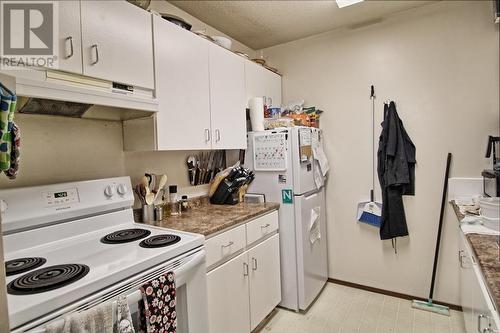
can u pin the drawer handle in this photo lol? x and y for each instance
(254, 264)
(245, 269)
(479, 319)
(71, 49)
(228, 244)
(265, 226)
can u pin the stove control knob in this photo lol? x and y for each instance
(109, 191)
(122, 189)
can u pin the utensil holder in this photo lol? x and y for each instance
(148, 213)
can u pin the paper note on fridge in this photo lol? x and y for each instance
(314, 225)
(320, 156)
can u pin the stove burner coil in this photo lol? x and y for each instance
(22, 265)
(160, 241)
(48, 278)
(125, 236)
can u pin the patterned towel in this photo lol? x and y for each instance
(8, 102)
(157, 311)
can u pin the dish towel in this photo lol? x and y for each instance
(157, 311)
(8, 102)
(124, 323)
(96, 320)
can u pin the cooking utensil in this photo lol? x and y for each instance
(177, 21)
(222, 41)
(161, 185)
(191, 164)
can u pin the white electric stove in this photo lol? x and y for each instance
(71, 246)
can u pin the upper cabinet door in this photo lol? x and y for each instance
(255, 85)
(182, 86)
(261, 82)
(117, 42)
(273, 87)
(70, 42)
(227, 99)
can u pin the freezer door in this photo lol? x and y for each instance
(312, 266)
(302, 160)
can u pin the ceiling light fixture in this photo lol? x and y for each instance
(345, 3)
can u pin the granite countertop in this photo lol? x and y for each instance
(487, 251)
(459, 214)
(207, 219)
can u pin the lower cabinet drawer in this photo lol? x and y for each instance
(225, 244)
(262, 226)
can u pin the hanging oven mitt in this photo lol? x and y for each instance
(157, 311)
(7, 107)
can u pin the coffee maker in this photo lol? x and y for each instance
(491, 177)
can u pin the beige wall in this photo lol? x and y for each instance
(440, 64)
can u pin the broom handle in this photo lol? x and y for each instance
(441, 215)
(372, 97)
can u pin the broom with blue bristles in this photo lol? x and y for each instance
(370, 212)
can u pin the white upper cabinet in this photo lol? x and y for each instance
(182, 87)
(117, 42)
(227, 99)
(261, 82)
(70, 42)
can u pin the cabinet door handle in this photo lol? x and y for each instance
(95, 47)
(71, 49)
(217, 135)
(267, 225)
(254, 264)
(228, 244)
(245, 269)
(207, 135)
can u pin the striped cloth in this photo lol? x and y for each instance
(8, 102)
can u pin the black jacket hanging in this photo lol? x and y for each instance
(396, 173)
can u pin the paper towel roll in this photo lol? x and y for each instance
(256, 105)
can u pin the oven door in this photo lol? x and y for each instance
(191, 295)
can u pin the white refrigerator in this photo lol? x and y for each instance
(287, 170)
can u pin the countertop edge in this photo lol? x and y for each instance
(241, 222)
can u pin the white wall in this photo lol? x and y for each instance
(440, 64)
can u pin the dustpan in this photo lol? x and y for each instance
(370, 212)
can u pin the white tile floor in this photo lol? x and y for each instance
(343, 309)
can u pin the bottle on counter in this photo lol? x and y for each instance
(173, 203)
(184, 203)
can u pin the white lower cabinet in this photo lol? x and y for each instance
(245, 289)
(478, 308)
(228, 297)
(265, 282)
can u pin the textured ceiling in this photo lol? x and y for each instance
(260, 24)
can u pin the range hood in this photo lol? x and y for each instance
(63, 94)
